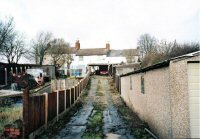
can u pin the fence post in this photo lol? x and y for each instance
(79, 89)
(70, 91)
(57, 104)
(65, 94)
(74, 93)
(46, 110)
(6, 77)
(26, 113)
(82, 83)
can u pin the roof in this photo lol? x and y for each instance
(134, 65)
(101, 51)
(132, 51)
(124, 52)
(115, 53)
(71, 50)
(163, 63)
(93, 51)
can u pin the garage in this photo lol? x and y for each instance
(194, 98)
(100, 69)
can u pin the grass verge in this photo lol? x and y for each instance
(8, 115)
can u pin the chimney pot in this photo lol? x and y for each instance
(108, 46)
(77, 45)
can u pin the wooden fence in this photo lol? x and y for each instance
(61, 84)
(117, 83)
(42, 110)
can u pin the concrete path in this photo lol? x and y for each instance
(99, 98)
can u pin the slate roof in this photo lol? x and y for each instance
(116, 53)
(71, 50)
(133, 51)
(92, 51)
(101, 51)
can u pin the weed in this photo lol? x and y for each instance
(8, 115)
(99, 93)
(94, 127)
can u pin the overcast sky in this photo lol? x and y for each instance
(94, 22)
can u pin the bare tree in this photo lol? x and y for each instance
(6, 31)
(57, 51)
(146, 44)
(20, 49)
(166, 50)
(12, 44)
(40, 46)
(14, 49)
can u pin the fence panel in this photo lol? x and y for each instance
(72, 95)
(67, 98)
(52, 105)
(61, 101)
(36, 112)
(55, 102)
(76, 92)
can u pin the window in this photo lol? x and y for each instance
(130, 83)
(80, 58)
(142, 84)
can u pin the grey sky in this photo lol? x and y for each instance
(95, 22)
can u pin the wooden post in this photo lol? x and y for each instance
(82, 84)
(26, 113)
(79, 88)
(57, 104)
(6, 76)
(70, 96)
(74, 94)
(65, 94)
(46, 110)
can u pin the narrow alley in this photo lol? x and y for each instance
(99, 116)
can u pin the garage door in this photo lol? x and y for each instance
(194, 98)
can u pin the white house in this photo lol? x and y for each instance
(96, 57)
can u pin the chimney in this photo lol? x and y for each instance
(77, 45)
(108, 46)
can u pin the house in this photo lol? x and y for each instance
(97, 58)
(166, 96)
